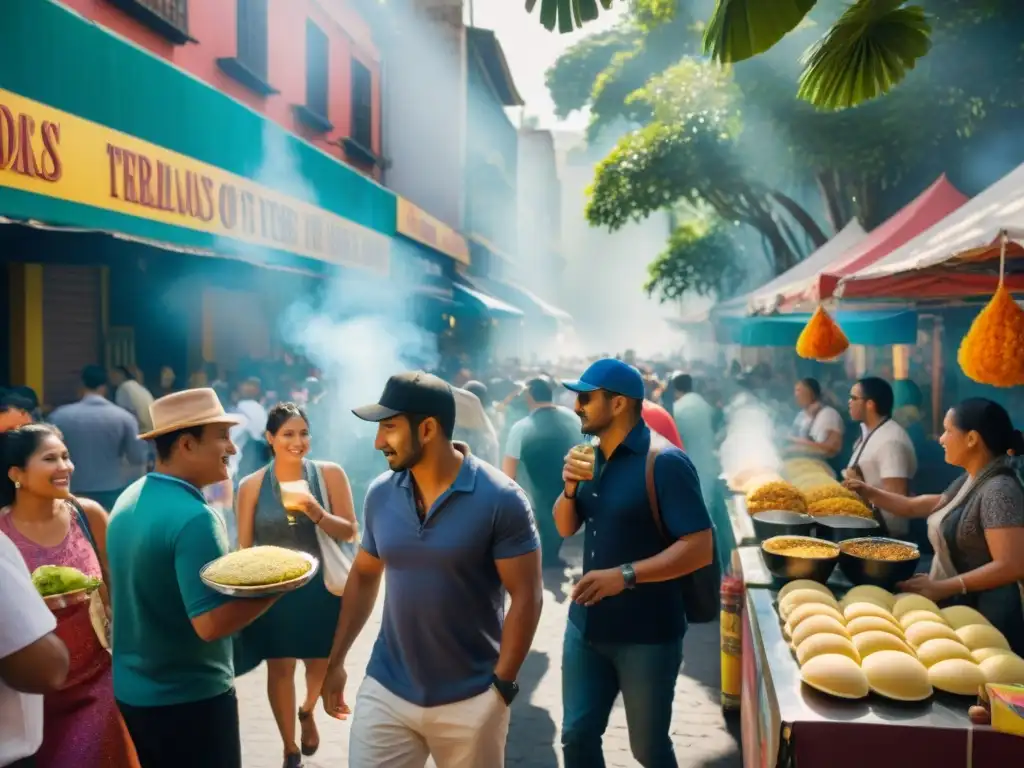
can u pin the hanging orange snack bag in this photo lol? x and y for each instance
(821, 338)
(992, 352)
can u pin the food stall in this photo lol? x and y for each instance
(786, 723)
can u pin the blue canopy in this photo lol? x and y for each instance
(484, 302)
(868, 327)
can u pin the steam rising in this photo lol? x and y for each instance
(750, 439)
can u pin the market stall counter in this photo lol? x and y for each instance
(786, 724)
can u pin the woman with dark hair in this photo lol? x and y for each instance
(81, 723)
(818, 428)
(301, 624)
(977, 526)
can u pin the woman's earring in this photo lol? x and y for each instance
(17, 485)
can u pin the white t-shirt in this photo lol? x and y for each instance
(817, 427)
(888, 454)
(24, 618)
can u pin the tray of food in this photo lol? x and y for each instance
(901, 647)
(62, 586)
(260, 571)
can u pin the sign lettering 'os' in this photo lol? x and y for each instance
(66, 157)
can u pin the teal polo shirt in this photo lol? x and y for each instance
(161, 534)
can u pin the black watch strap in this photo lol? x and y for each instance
(506, 689)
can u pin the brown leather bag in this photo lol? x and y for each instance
(701, 596)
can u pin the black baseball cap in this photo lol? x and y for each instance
(416, 393)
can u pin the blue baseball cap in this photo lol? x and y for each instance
(611, 375)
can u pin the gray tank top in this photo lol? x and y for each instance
(270, 524)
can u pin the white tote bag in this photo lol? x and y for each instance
(336, 557)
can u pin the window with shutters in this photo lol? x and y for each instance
(252, 36)
(362, 105)
(168, 18)
(316, 69)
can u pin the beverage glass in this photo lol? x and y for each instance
(586, 452)
(293, 495)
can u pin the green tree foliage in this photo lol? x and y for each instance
(700, 256)
(867, 49)
(736, 140)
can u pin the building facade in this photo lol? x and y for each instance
(542, 263)
(492, 151)
(164, 200)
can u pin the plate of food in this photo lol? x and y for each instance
(62, 586)
(260, 571)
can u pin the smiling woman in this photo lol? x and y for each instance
(51, 528)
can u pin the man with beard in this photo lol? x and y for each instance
(627, 619)
(450, 534)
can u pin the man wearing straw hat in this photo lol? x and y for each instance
(173, 671)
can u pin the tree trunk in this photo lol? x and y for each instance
(802, 217)
(831, 195)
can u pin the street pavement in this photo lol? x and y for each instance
(702, 735)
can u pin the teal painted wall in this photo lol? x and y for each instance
(52, 55)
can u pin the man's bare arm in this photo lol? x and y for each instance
(361, 590)
(521, 577)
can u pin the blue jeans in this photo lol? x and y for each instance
(593, 674)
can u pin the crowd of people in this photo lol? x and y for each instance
(486, 476)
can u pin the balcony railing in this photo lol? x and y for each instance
(168, 18)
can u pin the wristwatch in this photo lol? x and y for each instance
(507, 690)
(629, 575)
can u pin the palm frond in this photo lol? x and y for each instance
(741, 29)
(865, 54)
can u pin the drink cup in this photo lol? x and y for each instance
(585, 453)
(293, 496)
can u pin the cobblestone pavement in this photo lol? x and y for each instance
(700, 732)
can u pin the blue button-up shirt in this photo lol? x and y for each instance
(444, 604)
(619, 528)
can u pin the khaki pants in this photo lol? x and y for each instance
(389, 731)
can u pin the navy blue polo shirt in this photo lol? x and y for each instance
(619, 528)
(444, 604)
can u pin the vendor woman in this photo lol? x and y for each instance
(818, 428)
(977, 525)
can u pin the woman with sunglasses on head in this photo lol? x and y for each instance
(977, 526)
(81, 723)
(301, 624)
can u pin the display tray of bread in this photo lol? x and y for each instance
(260, 571)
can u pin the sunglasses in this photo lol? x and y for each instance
(584, 397)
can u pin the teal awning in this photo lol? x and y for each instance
(869, 327)
(484, 303)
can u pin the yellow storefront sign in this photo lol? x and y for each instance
(418, 225)
(53, 153)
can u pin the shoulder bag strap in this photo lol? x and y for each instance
(653, 452)
(83, 523)
(325, 496)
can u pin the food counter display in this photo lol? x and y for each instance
(786, 723)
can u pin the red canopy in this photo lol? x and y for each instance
(932, 205)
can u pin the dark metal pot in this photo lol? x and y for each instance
(880, 573)
(789, 568)
(842, 527)
(779, 522)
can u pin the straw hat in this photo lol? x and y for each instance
(189, 408)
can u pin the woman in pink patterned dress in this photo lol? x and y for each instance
(82, 727)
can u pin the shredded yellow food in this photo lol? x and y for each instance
(828, 491)
(801, 548)
(258, 566)
(776, 495)
(839, 506)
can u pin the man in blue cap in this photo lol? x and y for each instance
(627, 620)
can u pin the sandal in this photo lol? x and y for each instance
(310, 739)
(293, 760)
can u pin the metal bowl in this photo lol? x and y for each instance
(264, 590)
(880, 573)
(788, 567)
(839, 528)
(779, 522)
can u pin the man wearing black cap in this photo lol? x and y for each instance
(627, 620)
(450, 534)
